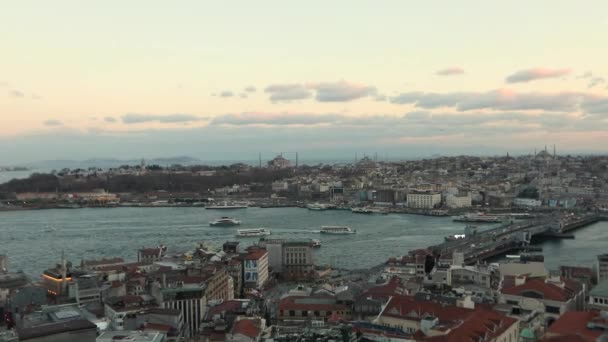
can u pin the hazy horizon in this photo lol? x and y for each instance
(212, 80)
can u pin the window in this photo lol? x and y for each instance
(292, 313)
(512, 302)
(552, 309)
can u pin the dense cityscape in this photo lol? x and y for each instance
(489, 283)
(303, 171)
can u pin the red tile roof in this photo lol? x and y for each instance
(575, 323)
(304, 303)
(255, 254)
(407, 307)
(547, 290)
(247, 327)
(227, 306)
(484, 325)
(384, 291)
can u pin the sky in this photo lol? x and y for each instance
(225, 80)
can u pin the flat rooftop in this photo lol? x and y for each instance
(130, 336)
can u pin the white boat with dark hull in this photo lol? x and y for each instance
(316, 243)
(317, 206)
(225, 222)
(337, 230)
(252, 232)
(227, 205)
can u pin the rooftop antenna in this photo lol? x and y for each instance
(554, 154)
(260, 160)
(296, 160)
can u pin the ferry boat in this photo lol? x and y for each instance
(338, 230)
(481, 218)
(226, 205)
(316, 243)
(362, 210)
(224, 222)
(368, 210)
(252, 232)
(317, 206)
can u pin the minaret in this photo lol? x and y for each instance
(554, 154)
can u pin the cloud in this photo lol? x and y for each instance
(17, 94)
(528, 75)
(596, 106)
(380, 98)
(320, 135)
(504, 99)
(431, 100)
(36, 97)
(595, 81)
(341, 91)
(109, 119)
(450, 71)
(587, 74)
(226, 93)
(250, 89)
(135, 118)
(279, 119)
(287, 92)
(501, 99)
(324, 91)
(53, 122)
(243, 95)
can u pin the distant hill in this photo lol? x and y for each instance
(106, 163)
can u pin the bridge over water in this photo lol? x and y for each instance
(515, 236)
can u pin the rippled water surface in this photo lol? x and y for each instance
(99, 232)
